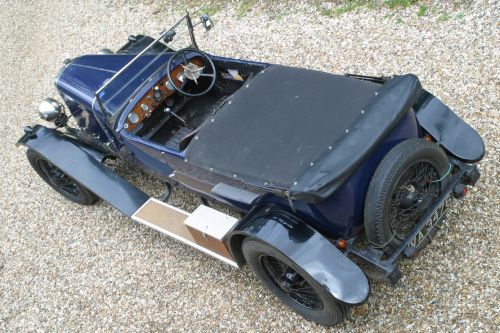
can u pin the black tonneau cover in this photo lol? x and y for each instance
(299, 130)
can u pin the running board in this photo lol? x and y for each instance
(204, 229)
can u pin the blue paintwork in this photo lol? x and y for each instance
(341, 213)
(338, 216)
(79, 80)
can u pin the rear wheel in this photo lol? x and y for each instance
(59, 180)
(291, 284)
(405, 185)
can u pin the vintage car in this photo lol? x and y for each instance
(333, 177)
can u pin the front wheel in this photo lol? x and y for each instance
(292, 285)
(59, 180)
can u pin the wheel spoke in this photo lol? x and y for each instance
(291, 282)
(58, 178)
(412, 196)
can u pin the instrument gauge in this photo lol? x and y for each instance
(133, 117)
(170, 87)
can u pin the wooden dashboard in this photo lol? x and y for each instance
(154, 98)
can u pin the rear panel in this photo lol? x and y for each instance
(341, 214)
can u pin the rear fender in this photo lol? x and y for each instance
(84, 165)
(449, 130)
(310, 250)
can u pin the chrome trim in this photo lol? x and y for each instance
(49, 109)
(139, 55)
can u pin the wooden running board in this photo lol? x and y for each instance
(204, 229)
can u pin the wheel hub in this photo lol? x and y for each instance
(291, 283)
(412, 197)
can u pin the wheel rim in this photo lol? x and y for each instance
(59, 179)
(291, 283)
(413, 194)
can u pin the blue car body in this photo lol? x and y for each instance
(338, 216)
(302, 215)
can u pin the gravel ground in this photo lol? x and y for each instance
(64, 267)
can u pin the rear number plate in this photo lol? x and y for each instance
(431, 222)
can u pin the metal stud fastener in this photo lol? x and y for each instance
(376, 93)
(347, 131)
(329, 147)
(211, 169)
(362, 111)
(311, 164)
(235, 175)
(295, 183)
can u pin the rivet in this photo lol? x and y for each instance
(229, 102)
(211, 169)
(311, 164)
(329, 147)
(295, 183)
(247, 85)
(376, 93)
(266, 183)
(196, 137)
(235, 175)
(212, 120)
(347, 131)
(185, 160)
(163, 153)
(362, 111)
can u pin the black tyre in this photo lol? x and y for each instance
(59, 180)
(291, 284)
(405, 184)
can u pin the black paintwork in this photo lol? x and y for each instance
(83, 164)
(235, 193)
(449, 130)
(343, 154)
(310, 250)
(464, 174)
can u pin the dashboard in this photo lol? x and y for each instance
(154, 98)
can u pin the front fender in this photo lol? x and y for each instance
(84, 165)
(314, 253)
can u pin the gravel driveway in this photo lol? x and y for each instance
(64, 267)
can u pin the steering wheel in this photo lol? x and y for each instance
(191, 71)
